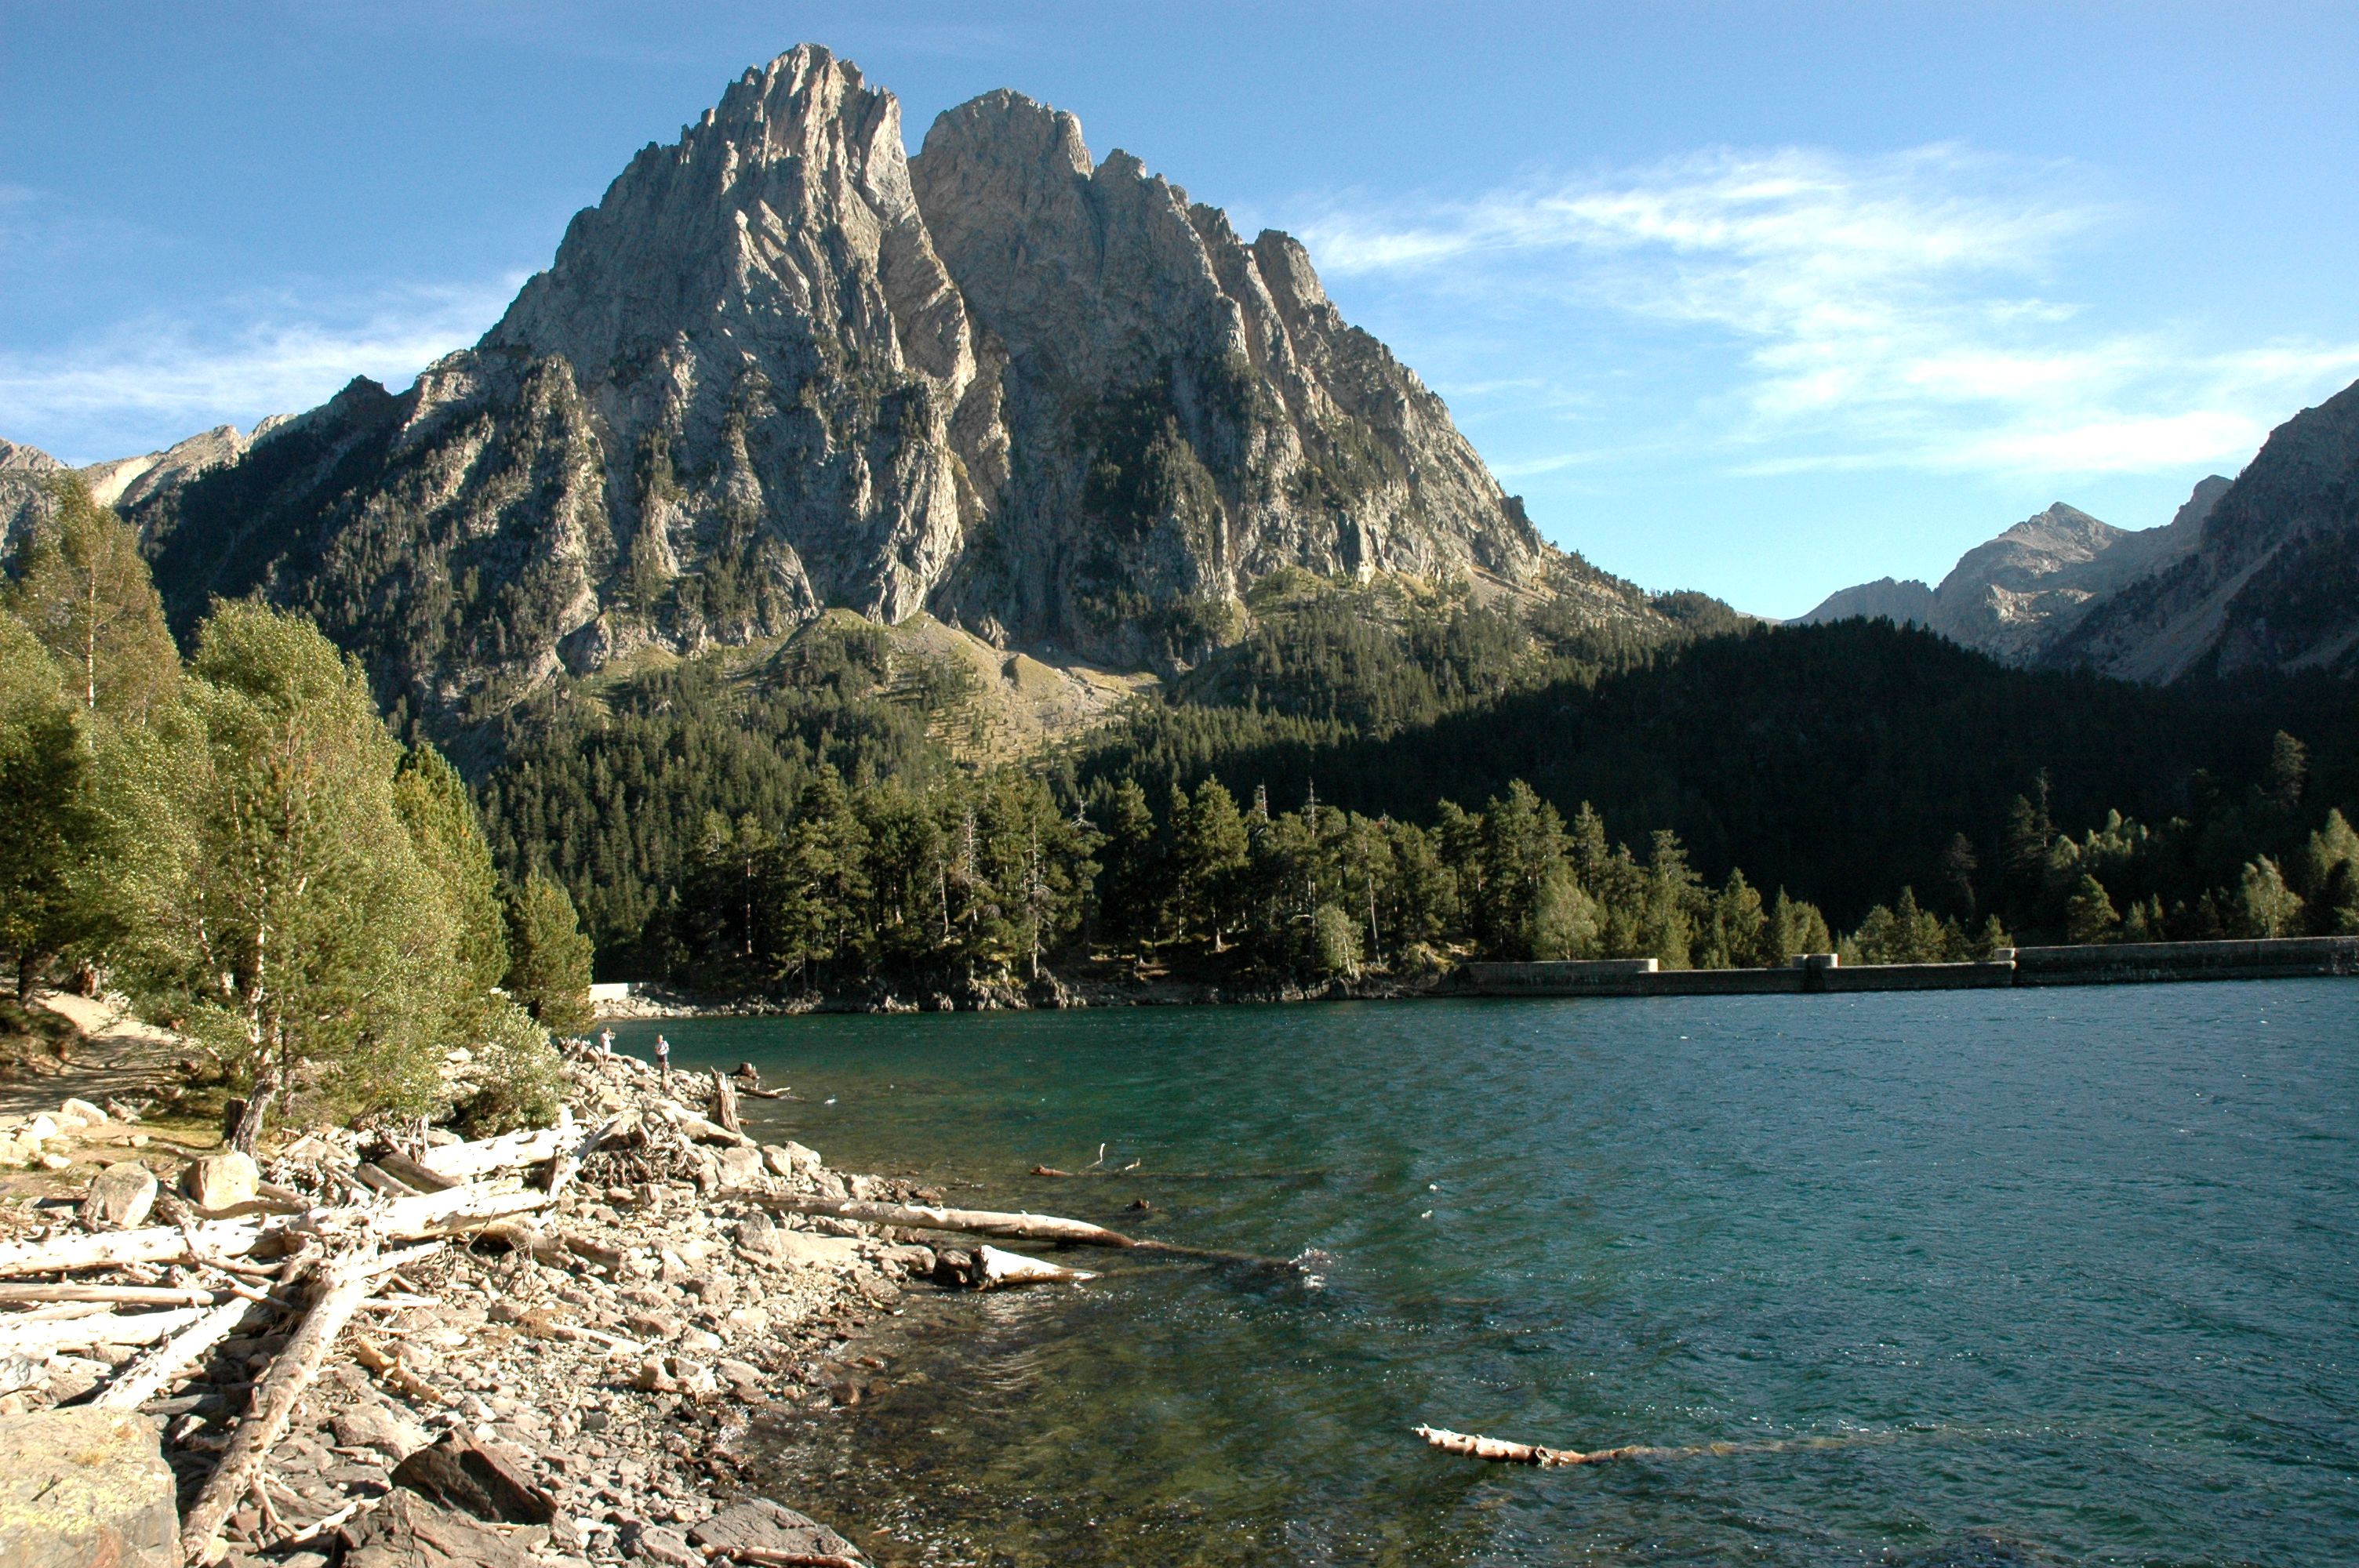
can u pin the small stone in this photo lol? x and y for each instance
(120, 1197)
(79, 1113)
(652, 1325)
(56, 1162)
(703, 1342)
(222, 1181)
(656, 1543)
(377, 1426)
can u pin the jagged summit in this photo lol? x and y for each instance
(782, 366)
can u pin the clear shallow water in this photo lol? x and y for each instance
(2068, 1277)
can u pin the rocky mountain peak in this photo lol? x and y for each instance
(16, 458)
(782, 366)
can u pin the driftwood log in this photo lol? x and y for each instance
(1502, 1452)
(146, 1377)
(724, 1102)
(510, 1151)
(46, 1336)
(995, 1269)
(126, 1295)
(344, 1283)
(988, 1222)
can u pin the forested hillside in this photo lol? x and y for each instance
(797, 822)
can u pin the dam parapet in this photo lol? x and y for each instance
(2121, 963)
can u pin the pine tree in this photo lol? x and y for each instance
(1130, 888)
(1208, 856)
(548, 974)
(55, 838)
(2090, 916)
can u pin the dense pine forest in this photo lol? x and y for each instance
(1383, 778)
(1373, 779)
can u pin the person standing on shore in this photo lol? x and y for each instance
(605, 1041)
(663, 1059)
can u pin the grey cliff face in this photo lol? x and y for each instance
(2270, 580)
(2017, 596)
(1186, 412)
(1907, 603)
(781, 366)
(27, 500)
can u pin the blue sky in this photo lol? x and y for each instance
(1763, 300)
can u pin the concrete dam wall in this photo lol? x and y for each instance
(2120, 963)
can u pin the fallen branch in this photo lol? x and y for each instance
(23, 1338)
(995, 1269)
(510, 1151)
(127, 1295)
(701, 1130)
(771, 1557)
(987, 1222)
(397, 1376)
(1501, 1452)
(148, 1375)
(114, 1249)
(343, 1285)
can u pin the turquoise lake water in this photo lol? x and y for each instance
(1973, 1277)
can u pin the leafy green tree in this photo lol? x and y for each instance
(2330, 877)
(1563, 919)
(1903, 934)
(1336, 941)
(298, 934)
(549, 956)
(80, 584)
(2265, 905)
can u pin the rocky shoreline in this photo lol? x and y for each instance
(565, 1387)
(1052, 991)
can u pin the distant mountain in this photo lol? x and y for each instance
(2272, 581)
(2013, 596)
(129, 483)
(28, 499)
(1904, 603)
(782, 366)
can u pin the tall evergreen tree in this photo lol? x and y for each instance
(549, 972)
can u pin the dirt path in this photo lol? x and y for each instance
(118, 1058)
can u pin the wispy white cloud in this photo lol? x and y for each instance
(150, 381)
(1886, 312)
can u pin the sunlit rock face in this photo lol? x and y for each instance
(782, 366)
